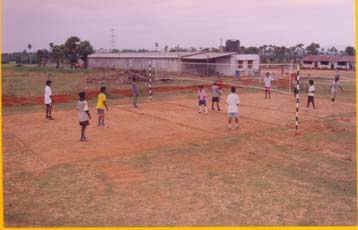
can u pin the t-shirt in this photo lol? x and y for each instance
(215, 91)
(294, 84)
(48, 93)
(82, 107)
(267, 81)
(201, 94)
(311, 90)
(232, 102)
(334, 87)
(337, 76)
(101, 99)
(220, 84)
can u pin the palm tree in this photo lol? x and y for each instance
(299, 49)
(29, 46)
(334, 50)
(156, 46)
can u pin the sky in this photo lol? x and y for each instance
(187, 23)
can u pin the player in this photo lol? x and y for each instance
(233, 102)
(215, 96)
(338, 75)
(48, 100)
(311, 93)
(267, 82)
(83, 114)
(334, 89)
(202, 99)
(101, 105)
(135, 92)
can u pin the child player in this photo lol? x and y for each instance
(48, 100)
(83, 114)
(101, 104)
(267, 82)
(311, 92)
(233, 102)
(202, 99)
(334, 89)
(215, 96)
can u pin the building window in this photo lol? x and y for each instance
(240, 64)
(307, 62)
(249, 64)
(341, 63)
(324, 63)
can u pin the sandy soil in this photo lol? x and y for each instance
(166, 164)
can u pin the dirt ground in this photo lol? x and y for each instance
(166, 165)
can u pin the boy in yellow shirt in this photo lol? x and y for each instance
(101, 104)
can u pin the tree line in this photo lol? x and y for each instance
(74, 49)
(69, 53)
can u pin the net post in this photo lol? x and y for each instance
(150, 81)
(297, 95)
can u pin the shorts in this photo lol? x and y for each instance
(215, 99)
(100, 111)
(48, 105)
(84, 123)
(202, 102)
(267, 89)
(235, 115)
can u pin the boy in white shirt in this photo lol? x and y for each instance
(267, 83)
(48, 100)
(83, 114)
(233, 102)
(311, 92)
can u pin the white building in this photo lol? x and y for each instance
(194, 63)
(329, 62)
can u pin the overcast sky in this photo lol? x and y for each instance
(188, 23)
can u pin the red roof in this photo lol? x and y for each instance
(329, 58)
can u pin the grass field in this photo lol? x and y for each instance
(166, 165)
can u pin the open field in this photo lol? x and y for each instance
(165, 164)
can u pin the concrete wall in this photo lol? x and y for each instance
(245, 58)
(225, 66)
(219, 66)
(319, 65)
(170, 64)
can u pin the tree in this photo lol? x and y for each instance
(29, 46)
(71, 52)
(313, 48)
(166, 48)
(156, 46)
(299, 48)
(334, 50)
(251, 50)
(115, 51)
(43, 56)
(57, 53)
(350, 50)
(84, 49)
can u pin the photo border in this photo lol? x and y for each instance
(2, 227)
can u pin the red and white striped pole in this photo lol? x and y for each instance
(297, 95)
(150, 81)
